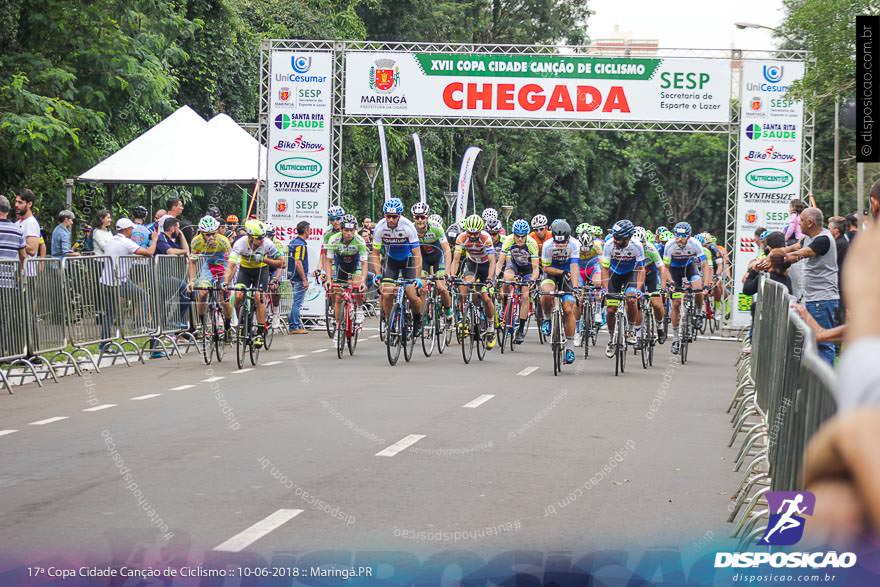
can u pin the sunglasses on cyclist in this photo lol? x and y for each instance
(420, 217)
(392, 216)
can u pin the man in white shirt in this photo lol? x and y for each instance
(114, 278)
(24, 204)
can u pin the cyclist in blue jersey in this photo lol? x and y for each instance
(623, 271)
(398, 237)
(559, 258)
(685, 258)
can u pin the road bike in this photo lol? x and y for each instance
(399, 329)
(247, 329)
(434, 322)
(590, 321)
(557, 331)
(329, 316)
(212, 332)
(688, 318)
(649, 329)
(538, 311)
(509, 319)
(347, 328)
(472, 328)
(621, 327)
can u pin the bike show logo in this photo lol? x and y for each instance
(298, 167)
(770, 154)
(769, 178)
(299, 121)
(772, 131)
(298, 144)
(384, 76)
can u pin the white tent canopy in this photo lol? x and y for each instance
(185, 149)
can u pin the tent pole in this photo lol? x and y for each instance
(150, 196)
(110, 189)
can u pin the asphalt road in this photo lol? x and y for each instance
(307, 452)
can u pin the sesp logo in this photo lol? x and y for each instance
(773, 73)
(302, 64)
(786, 525)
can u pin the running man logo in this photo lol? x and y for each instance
(786, 526)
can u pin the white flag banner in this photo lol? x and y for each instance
(420, 163)
(464, 181)
(386, 174)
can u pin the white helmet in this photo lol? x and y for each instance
(435, 220)
(208, 224)
(420, 209)
(539, 220)
(640, 233)
(490, 214)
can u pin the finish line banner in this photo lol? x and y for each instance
(537, 87)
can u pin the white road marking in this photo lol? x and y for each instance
(270, 363)
(213, 379)
(247, 537)
(6, 432)
(48, 421)
(245, 370)
(148, 396)
(374, 336)
(296, 357)
(476, 403)
(99, 408)
(320, 350)
(181, 387)
(400, 445)
(527, 371)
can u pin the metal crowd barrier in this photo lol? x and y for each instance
(45, 302)
(784, 394)
(173, 304)
(13, 322)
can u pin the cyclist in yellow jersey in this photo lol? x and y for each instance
(214, 249)
(253, 257)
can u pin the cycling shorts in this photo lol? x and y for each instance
(689, 271)
(257, 277)
(395, 269)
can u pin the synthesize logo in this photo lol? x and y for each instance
(301, 64)
(773, 73)
(384, 76)
(786, 525)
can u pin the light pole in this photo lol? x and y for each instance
(506, 211)
(751, 25)
(372, 171)
(450, 200)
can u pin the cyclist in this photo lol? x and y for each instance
(436, 220)
(398, 237)
(490, 217)
(334, 215)
(452, 232)
(559, 258)
(275, 278)
(720, 267)
(250, 258)
(214, 249)
(436, 254)
(519, 259)
(684, 256)
(663, 236)
(656, 276)
(475, 245)
(623, 270)
(591, 251)
(348, 250)
(540, 231)
(496, 231)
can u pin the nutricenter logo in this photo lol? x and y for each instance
(298, 167)
(769, 178)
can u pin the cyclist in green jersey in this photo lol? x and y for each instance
(436, 253)
(334, 214)
(519, 258)
(348, 250)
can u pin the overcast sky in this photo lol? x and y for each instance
(692, 24)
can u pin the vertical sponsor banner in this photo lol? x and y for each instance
(386, 173)
(770, 150)
(299, 153)
(464, 182)
(420, 163)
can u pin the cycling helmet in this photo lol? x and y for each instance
(701, 238)
(139, 212)
(649, 236)
(420, 209)
(213, 211)
(596, 231)
(538, 221)
(254, 227)
(208, 224)
(640, 233)
(623, 229)
(270, 230)
(682, 230)
(473, 223)
(490, 214)
(435, 220)
(453, 231)
(493, 226)
(710, 238)
(335, 212)
(666, 236)
(661, 230)
(583, 227)
(561, 230)
(232, 219)
(349, 221)
(392, 206)
(521, 227)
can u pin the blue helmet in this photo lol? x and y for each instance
(335, 212)
(623, 229)
(660, 230)
(393, 205)
(701, 238)
(682, 230)
(521, 227)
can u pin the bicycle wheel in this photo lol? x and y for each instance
(685, 336)
(242, 340)
(513, 327)
(466, 339)
(382, 326)
(645, 345)
(505, 324)
(408, 335)
(340, 331)
(556, 343)
(206, 336)
(441, 328)
(219, 332)
(586, 329)
(328, 317)
(269, 336)
(353, 338)
(392, 336)
(429, 329)
(480, 331)
(254, 330)
(539, 318)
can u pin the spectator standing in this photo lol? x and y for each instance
(115, 275)
(298, 275)
(175, 210)
(818, 254)
(778, 270)
(794, 234)
(12, 247)
(101, 235)
(62, 245)
(838, 227)
(12, 241)
(24, 211)
(853, 228)
(140, 234)
(160, 213)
